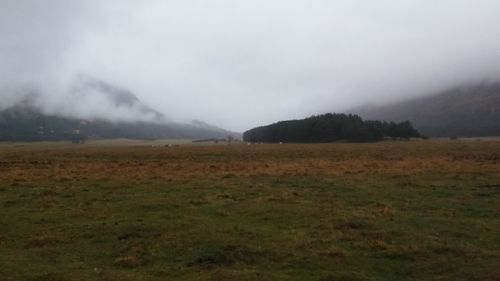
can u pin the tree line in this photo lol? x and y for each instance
(330, 127)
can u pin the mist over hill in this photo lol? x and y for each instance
(466, 111)
(239, 64)
(95, 109)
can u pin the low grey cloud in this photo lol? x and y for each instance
(240, 64)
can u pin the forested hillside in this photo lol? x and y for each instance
(27, 120)
(28, 124)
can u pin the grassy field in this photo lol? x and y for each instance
(422, 210)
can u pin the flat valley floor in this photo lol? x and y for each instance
(416, 210)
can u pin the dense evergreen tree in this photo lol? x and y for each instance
(330, 128)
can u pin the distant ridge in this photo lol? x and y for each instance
(469, 111)
(27, 120)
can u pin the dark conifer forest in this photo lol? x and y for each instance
(330, 128)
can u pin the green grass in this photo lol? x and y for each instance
(395, 211)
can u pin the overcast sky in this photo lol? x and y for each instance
(239, 64)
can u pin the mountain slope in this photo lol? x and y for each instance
(20, 123)
(86, 90)
(471, 111)
(27, 120)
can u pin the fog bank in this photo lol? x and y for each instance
(239, 64)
